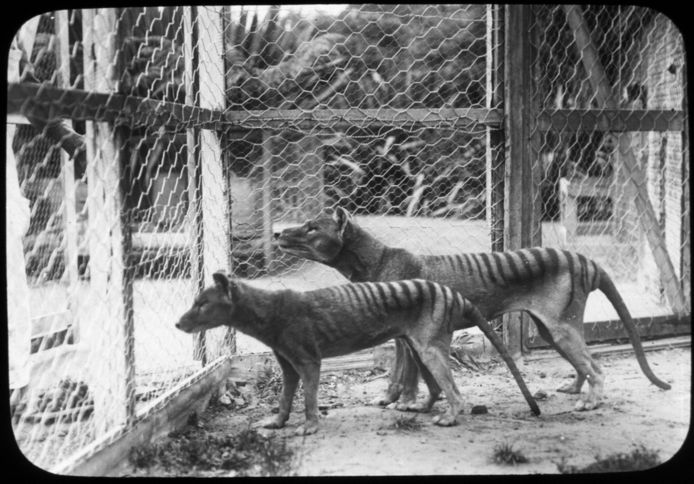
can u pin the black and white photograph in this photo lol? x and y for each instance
(348, 240)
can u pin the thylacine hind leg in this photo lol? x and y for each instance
(432, 385)
(403, 379)
(433, 356)
(577, 383)
(569, 342)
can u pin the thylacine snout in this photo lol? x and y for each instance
(317, 240)
(212, 308)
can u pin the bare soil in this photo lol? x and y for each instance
(357, 439)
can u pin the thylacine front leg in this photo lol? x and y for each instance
(310, 375)
(290, 380)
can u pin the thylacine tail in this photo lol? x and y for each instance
(608, 288)
(470, 313)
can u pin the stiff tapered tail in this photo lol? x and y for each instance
(608, 288)
(471, 313)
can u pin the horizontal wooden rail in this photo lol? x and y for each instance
(615, 120)
(648, 327)
(48, 102)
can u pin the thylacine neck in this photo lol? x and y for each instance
(255, 311)
(361, 256)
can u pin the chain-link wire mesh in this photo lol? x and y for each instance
(191, 135)
(612, 191)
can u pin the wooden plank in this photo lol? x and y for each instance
(610, 120)
(648, 219)
(193, 167)
(520, 224)
(71, 274)
(47, 102)
(111, 379)
(614, 329)
(495, 154)
(215, 211)
(108, 456)
(266, 199)
(685, 210)
(613, 349)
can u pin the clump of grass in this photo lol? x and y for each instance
(504, 453)
(189, 451)
(403, 423)
(638, 459)
(268, 383)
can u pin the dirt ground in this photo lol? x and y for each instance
(357, 439)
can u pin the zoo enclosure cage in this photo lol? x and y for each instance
(194, 133)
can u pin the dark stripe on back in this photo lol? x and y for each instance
(479, 272)
(512, 264)
(596, 275)
(499, 259)
(364, 289)
(446, 302)
(584, 272)
(526, 268)
(488, 265)
(382, 297)
(553, 266)
(394, 286)
(539, 259)
(353, 296)
(408, 294)
(371, 296)
(460, 263)
(430, 290)
(570, 261)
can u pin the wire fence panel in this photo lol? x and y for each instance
(393, 86)
(612, 187)
(157, 145)
(103, 341)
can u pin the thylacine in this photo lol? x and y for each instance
(551, 285)
(303, 327)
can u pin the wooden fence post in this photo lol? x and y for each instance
(62, 50)
(216, 220)
(109, 328)
(193, 167)
(685, 234)
(521, 227)
(495, 136)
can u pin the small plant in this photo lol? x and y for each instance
(404, 423)
(504, 453)
(188, 450)
(638, 459)
(268, 383)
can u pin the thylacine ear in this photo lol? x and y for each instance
(222, 281)
(343, 218)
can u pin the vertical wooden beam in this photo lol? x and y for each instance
(193, 167)
(520, 222)
(215, 211)
(110, 327)
(685, 210)
(62, 51)
(266, 191)
(648, 219)
(495, 154)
